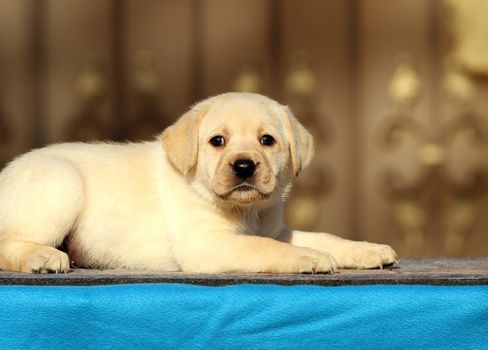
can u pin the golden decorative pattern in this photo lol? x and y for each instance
(433, 203)
(249, 79)
(303, 210)
(149, 118)
(88, 123)
(404, 86)
(470, 34)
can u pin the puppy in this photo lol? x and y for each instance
(207, 196)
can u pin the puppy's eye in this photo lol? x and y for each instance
(217, 141)
(267, 140)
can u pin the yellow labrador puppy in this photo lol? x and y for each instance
(205, 197)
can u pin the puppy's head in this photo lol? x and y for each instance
(239, 148)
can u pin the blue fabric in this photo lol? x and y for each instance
(173, 316)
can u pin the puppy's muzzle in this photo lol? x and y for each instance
(244, 168)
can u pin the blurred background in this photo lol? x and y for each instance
(395, 92)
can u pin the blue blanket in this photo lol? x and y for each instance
(175, 316)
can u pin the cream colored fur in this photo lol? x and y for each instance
(172, 204)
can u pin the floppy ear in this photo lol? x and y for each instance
(180, 140)
(300, 141)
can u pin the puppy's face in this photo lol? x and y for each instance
(239, 149)
(243, 151)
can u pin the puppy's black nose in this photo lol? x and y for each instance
(244, 168)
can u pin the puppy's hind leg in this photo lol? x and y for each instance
(41, 197)
(31, 257)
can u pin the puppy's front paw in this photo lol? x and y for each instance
(46, 260)
(305, 260)
(365, 255)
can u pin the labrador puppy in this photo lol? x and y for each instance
(207, 196)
